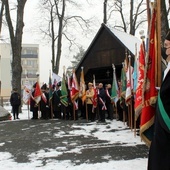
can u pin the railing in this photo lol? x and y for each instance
(4, 100)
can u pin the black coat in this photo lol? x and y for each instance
(44, 105)
(33, 105)
(15, 99)
(56, 100)
(102, 95)
(159, 155)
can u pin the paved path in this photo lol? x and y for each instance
(25, 137)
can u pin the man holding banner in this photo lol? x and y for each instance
(159, 155)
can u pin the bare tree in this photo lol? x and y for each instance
(1, 15)
(59, 23)
(16, 40)
(135, 15)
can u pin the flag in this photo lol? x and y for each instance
(82, 91)
(74, 92)
(122, 86)
(55, 78)
(37, 94)
(123, 83)
(150, 92)
(94, 99)
(129, 85)
(140, 81)
(115, 90)
(50, 87)
(26, 92)
(64, 92)
(135, 72)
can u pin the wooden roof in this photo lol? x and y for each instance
(108, 47)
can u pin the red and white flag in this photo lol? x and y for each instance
(129, 83)
(38, 93)
(74, 91)
(26, 92)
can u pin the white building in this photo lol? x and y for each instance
(5, 69)
(29, 62)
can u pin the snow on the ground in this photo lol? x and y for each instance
(122, 136)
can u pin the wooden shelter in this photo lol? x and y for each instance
(108, 47)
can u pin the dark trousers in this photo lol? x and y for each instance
(35, 114)
(15, 110)
(110, 110)
(101, 113)
(89, 111)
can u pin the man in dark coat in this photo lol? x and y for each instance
(56, 101)
(33, 104)
(109, 103)
(15, 101)
(159, 154)
(101, 102)
(44, 103)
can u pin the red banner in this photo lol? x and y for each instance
(150, 92)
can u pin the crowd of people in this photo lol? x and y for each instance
(98, 104)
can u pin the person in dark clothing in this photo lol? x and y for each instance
(33, 104)
(101, 102)
(15, 100)
(109, 103)
(56, 104)
(159, 153)
(44, 103)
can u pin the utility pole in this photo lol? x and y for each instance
(105, 12)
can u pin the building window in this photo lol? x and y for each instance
(32, 63)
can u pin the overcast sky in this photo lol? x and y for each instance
(31, 34)
(31, 16)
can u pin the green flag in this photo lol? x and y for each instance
(50, 88)
(115, 90)
(64, 92)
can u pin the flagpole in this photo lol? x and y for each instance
(28, 110)
(123, 65)
(131, 120)
(135, 90)
(112, 85)
(158, 19)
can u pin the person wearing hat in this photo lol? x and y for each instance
(159, 153)
(56, 104)
(15, 101)
(89, 98)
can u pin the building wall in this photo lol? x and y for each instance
(29, 62)
(5, 69)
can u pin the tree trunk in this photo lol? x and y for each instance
(1, 16)
(59, 42)
(53, 38)
(16, 42)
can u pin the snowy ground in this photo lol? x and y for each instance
(73, 145)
